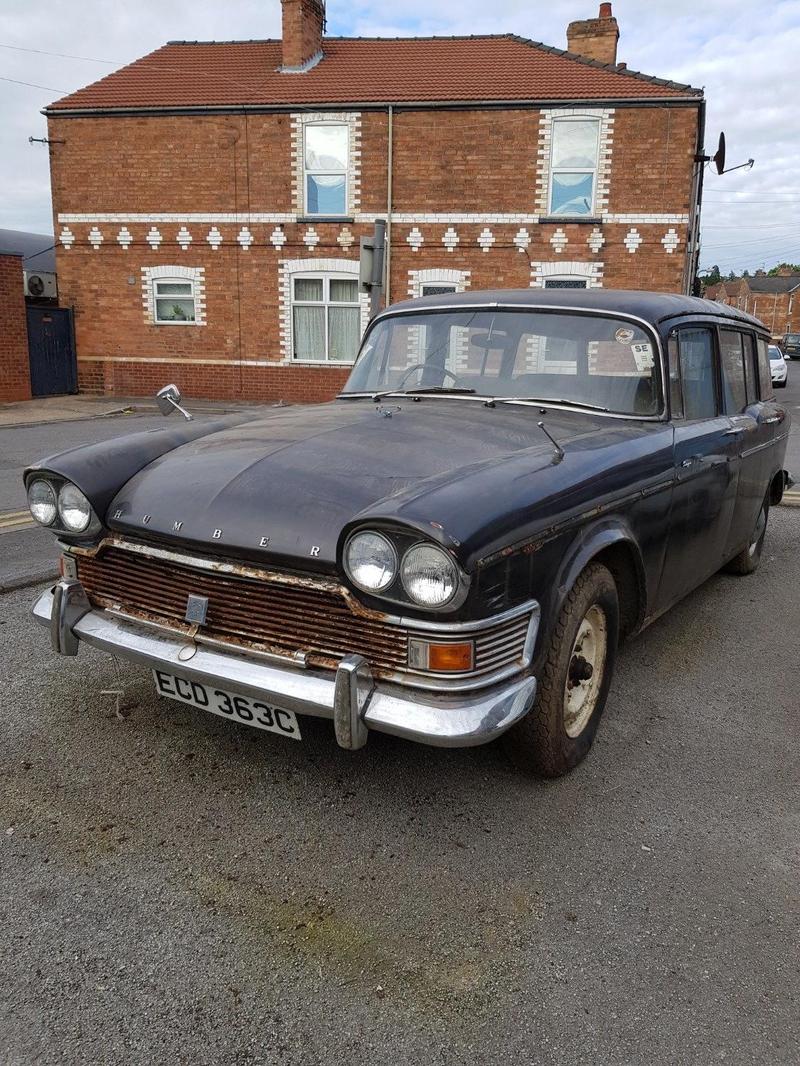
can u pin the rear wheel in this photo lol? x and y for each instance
(746, 562)
(572, 690)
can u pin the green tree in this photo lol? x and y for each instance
(794, 267)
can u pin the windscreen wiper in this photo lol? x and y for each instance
(452, 390)
(492, 400)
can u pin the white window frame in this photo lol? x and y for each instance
(594, 171)
(326, 277)
(156, 297)
(308, 171)
(176, 275)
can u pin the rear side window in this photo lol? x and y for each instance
(696, 348)
(750, 381)
(764, 371)
(734, 388)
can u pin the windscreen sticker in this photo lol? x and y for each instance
(643, 354)
(624, 335)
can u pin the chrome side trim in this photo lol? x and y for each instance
(442, 721)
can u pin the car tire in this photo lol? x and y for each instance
(746, 562)
(558, 732)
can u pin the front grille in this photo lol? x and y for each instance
(276, 613)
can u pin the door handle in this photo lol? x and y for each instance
(734, 431)
(691, 460)
(771, 420)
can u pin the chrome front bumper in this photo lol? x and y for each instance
(350, 697)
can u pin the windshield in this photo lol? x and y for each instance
(584, 359)
(792, 338)
(775, 354)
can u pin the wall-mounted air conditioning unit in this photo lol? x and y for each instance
(40, 283)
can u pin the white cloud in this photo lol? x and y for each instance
(743, 54)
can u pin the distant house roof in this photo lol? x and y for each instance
(779, 284)
(36, 249)
(208, 74)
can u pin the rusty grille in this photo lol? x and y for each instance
(281, 618)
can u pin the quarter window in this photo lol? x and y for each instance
(325, 319)
(764, 370)
(573, 166)
(733, 376)
(173, 301)
(325, 163)
(697, 373)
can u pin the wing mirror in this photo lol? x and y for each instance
(169, 399)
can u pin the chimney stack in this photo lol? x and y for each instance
(595, 38)
(303, 25)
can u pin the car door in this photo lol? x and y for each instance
(705, 465)
(755, 417)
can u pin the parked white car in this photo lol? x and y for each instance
(777, 365)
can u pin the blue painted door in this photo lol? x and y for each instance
(51, 351)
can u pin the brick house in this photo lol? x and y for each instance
(209, 198)
(775, 299)
(15, 380)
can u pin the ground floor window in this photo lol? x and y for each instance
(326, 318)
(174, 295)
(565, 283)
(173, 300)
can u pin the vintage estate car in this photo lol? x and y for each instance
(450, 551)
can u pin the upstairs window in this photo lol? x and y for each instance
(574, 157)
(325, 161)
(326, 319)
(173, 301)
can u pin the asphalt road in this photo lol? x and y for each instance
(177, 888)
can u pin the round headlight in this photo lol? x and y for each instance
(371, 561)
(74, 509)
(430, 576)
(42, 502)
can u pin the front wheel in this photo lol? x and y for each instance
(574, 682)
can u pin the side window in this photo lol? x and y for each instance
(734, 389)
(674, 370)
(696, 347)
(750, 379)
(764, 371)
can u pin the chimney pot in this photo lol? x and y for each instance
(303, 22)
(595, 38)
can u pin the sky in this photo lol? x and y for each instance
(744, 53)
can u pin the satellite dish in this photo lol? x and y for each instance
(718, 158)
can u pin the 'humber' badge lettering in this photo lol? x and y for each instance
(217, 534)
(146, 519)
(176, 526)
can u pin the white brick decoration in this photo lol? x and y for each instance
(124, 237)
(194, 274)
(435, 276)
(345, 238)
(606, 142)
(214, 238)
(277, 238)
(450, 239)
(522, 239)
(596, 240)
(245, 238)
(559, 240)
(67, 237)
(670, 240)
(644, 220)
(591, 273)
(486, 239)
(95, 237)
(287, 269)
(154, 238)
(184, 238)
(415, 239)
(353, 120)
(632, 240)
(310, 238)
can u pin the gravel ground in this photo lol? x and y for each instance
(176, 888)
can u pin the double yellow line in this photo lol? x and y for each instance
(11, 521)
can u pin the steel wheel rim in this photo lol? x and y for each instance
(761, 525)
(588, 657)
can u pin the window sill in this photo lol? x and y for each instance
(580, 220)
(338, 364)
(325, 218)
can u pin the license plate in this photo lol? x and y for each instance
(252, 712)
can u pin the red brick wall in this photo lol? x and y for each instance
(460, 162)
(15, 380)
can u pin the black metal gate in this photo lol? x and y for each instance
(51, 350)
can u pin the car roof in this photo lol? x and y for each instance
(653, 307)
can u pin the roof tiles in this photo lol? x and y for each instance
(196, 74)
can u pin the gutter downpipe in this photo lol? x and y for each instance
(693, 256)
(389, 165)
